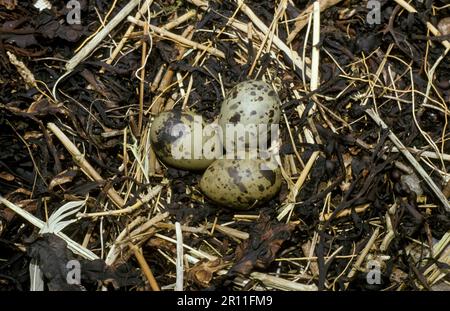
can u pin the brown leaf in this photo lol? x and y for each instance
(9, 4)
(6, 176)
(32, 135)
(62, 178)
(203, 271)
(28, 205)
(43, 107)
(261, 248)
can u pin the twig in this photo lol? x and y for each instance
(85, 166)
(411, 159)
(88, 48)
(291, 54)
(152, 193)
(142, 80)
(302, 20)
(364, 253)
(282, 284)
(168, 76)
(145, 268)
(144, 227)
(426, 154)
(180, 269)
(390, 228)
(180, 39)
(430, 26)
(130, 29)
(113, 252)
(345, 212)
(288, 208)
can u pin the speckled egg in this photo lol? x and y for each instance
(177, 139)
(444, 26)
(241, 184)
(250, 103)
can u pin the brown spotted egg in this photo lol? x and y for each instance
(177, 139)
(241, 184)
(444, 26)
(250, 103)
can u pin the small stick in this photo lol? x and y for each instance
(313, 85)
(291, 54)
(411, 159)
(193, 250)
(85, 166)
(157, 78)
(315, 55)
(390, 228)
(232, 232)
(141, 84)
(427, 154)
(113, 252)
(88, 48)
(153, 192)
(274, 22)
(168, 76)
(180, 39)
(364, 253)
(180, 20)
(282, 284)
(180, 269)
(345, 212)
(303, 19)
(125, 37)
(145, 267)
(430, 26)
(406, 6)
(148, 224)
(188, 92)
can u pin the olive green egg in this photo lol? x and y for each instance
(241, 184)
(177, 139)
(250, 103)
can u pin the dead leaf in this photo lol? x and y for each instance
(6, 176)
(28, 205)
(32, 135)
(204, 270)
(8, 4)
(43, 107)
(261, 248)
(62, 178)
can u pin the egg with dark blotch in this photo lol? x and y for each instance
(177, 139)
(252, 102)
(241, 184)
